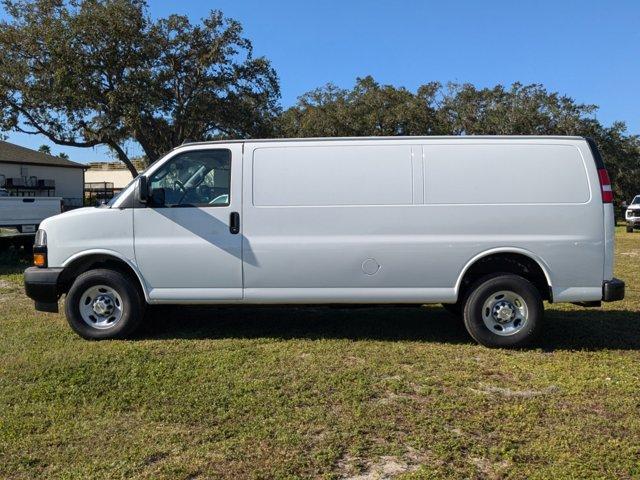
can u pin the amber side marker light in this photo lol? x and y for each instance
(40, 249)
(40, 259)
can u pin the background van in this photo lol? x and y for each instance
(488, 226)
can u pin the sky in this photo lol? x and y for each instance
(589, 50)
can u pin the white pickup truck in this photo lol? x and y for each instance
(632, 214)
(26, 213)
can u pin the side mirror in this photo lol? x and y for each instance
(143, 189)
(157, 197)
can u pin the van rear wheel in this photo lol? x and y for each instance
(503, 310)
(629, 229)
(103, 304)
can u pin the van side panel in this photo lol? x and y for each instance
(534, 173)
(408, 246)
(609, 240)
(341, 250)
(534, 195)
(330, 175)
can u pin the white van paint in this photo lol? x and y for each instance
(524, 173)
(328, 175)
(362, 220)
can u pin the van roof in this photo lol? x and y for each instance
(434, 137)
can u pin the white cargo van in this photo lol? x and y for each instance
(489, 226)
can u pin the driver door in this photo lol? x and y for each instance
(187, 238)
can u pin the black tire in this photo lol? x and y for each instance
(454, 309)
(482, 291)
(629, 229)
(132, 304)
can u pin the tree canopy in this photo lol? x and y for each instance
(368, 109)
(371, 109)
(102, 72)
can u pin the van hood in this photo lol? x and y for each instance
(78, 212)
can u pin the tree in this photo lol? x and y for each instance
(462, 109)
(368, 109)
(45, 149)
(102, 72)
(63, 155)
(518, 110)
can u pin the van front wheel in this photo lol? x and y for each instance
(503, 311)
(103, 304)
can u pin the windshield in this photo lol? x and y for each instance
(636, 201)
(116, 196)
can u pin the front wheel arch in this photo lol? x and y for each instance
(93, 261)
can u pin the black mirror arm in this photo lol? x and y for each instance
(143, 189)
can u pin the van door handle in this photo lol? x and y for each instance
(234, 223)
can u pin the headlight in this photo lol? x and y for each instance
(40, 249)
(41, 239)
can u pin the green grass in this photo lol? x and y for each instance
(320, 393)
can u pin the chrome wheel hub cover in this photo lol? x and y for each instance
(505, 313)
(101, 307)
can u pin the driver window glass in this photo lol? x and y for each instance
(199, 178)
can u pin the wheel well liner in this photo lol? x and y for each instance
(94, 261)
(507, 262)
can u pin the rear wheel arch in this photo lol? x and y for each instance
(517, 262)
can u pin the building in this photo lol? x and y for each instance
(29, 173)
(104, 179)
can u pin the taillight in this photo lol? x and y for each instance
(605, 186)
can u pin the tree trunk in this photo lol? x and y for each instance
(124, 158)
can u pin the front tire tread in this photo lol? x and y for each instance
(133, 304)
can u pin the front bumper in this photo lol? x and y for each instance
(41, 285)
(633, 217)
(612, 290)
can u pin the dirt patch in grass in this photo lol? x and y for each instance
(384, 467)
(508, 392)
(8, 290)
(489, 469)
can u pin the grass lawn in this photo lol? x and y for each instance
(321, 393)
